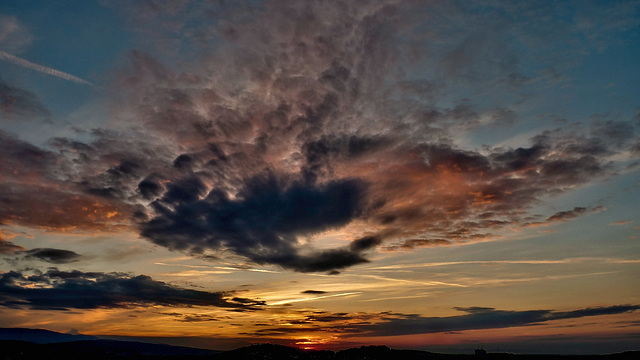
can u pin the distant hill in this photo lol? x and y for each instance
(40, 336)
(114, 348)
(383, 353)
(274, 352)
(280, 352)
(32, 344)
(98, 350)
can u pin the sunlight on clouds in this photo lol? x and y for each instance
(423, 283)
(245, 269)
(509, 262)
(193, 273)
(321, 173)
(289, 301)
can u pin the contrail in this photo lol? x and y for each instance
(43, 69)
(313, 298)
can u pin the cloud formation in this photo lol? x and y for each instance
(262, 223)
(314, 292)
(43, 189)
(296, 119)
(7, 247)
(14, 35)
(54, 256)
(394, 324)
(19, 104)
(13, 252)
(63, 290)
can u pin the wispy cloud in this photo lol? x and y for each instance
(17, 103)
(579, 260)
(245, 269)
(43, 69)
(406, 281)
(399, 297)
(183, 265)
(504, 281)
(393, 324)
(621, 222)
(288, 301)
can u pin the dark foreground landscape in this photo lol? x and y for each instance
(42, 344)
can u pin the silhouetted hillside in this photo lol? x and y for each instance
(13, 349)
(113, 350)
(40, 336)
(121, 349)
(280, 352)
(265, 352)
(382, 353)
(97, 350)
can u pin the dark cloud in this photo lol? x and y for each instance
(486, 318)
(19, 104)
(7, 247)
(149, 188)
(365, 243)
(193, 317)
(352, 131)
(183, 162)
(562, 216)
(567, 215)
(114, 163)
(321, 154)
(416, 243)
(314, 292)
(198, 318)
(322, 260)
(262, 223)
(185, 190)
(595, 311)
(62, 290)
(393, 324)
(54, 256)
(25, 160)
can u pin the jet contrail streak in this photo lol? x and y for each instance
(43, 69)
(313, 298)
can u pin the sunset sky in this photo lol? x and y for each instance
(436, 175)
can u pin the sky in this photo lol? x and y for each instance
(436, 175)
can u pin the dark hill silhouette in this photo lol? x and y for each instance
(382, 353)
(281, 352)
(40, 336)
(260, 352)
(275, 352)
(14, 349)
(97, 349)
(121, 348)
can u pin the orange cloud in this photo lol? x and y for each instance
(620, 223)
